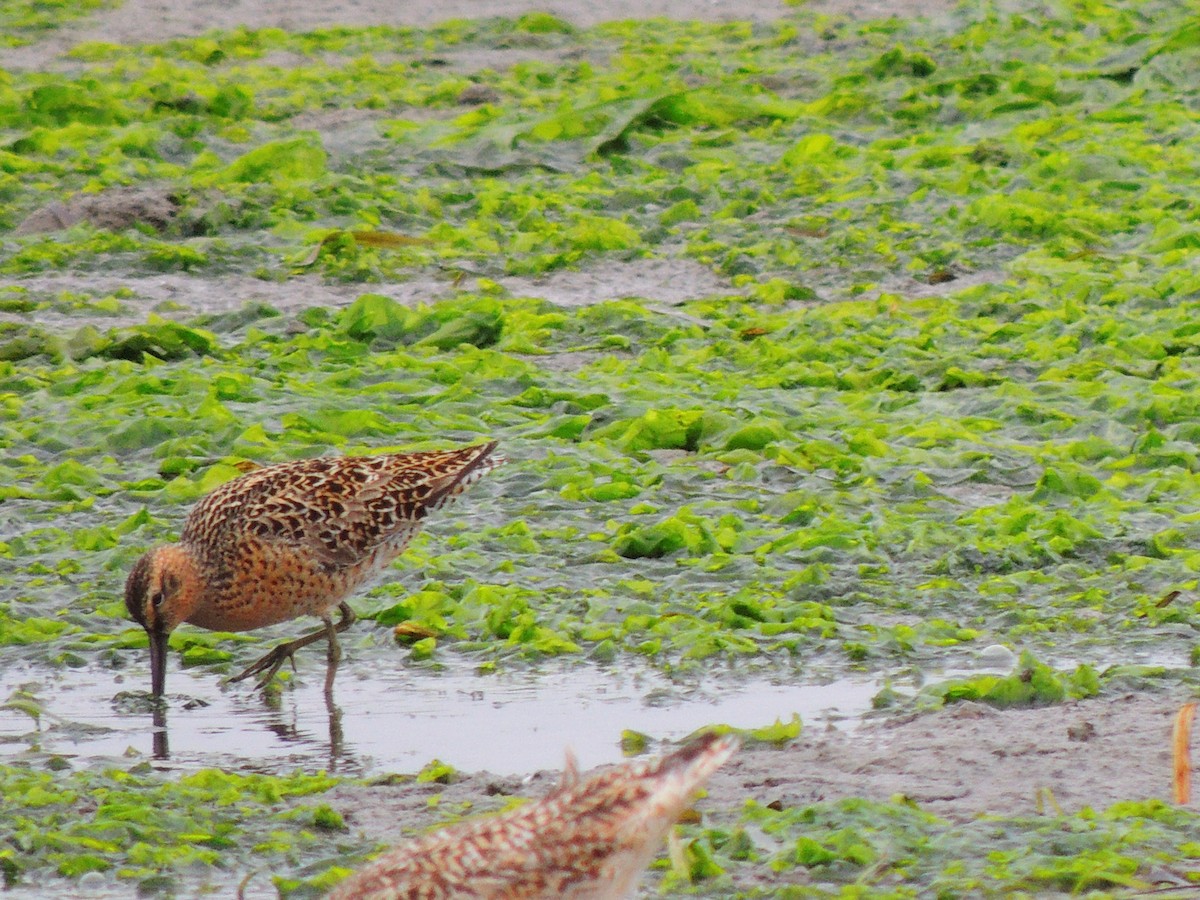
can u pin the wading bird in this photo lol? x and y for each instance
(291, 540)
(587, 840)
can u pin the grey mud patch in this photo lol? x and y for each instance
(153, 21)
(969, 759)
(180, 296)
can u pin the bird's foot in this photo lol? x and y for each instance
(270, 663)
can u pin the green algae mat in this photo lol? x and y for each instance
(951, 397)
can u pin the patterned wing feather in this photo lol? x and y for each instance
(338, 509)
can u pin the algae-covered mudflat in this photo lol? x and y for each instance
(846, 367)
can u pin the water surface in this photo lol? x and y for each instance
(399, 720)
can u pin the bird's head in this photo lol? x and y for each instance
(162, 589)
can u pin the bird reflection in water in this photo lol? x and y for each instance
(286, 729)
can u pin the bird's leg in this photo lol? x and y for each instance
(272, 662)
(333, 657)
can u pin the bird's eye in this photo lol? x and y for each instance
(156, 598)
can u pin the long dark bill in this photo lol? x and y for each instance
(158, 662)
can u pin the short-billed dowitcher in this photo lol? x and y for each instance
(587, 840)
(291, 540)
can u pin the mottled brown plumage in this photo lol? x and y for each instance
(290, 540)
(586, 840)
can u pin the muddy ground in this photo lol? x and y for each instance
(957, 762)
(139, 21)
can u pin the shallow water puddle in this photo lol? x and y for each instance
(398, 721)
